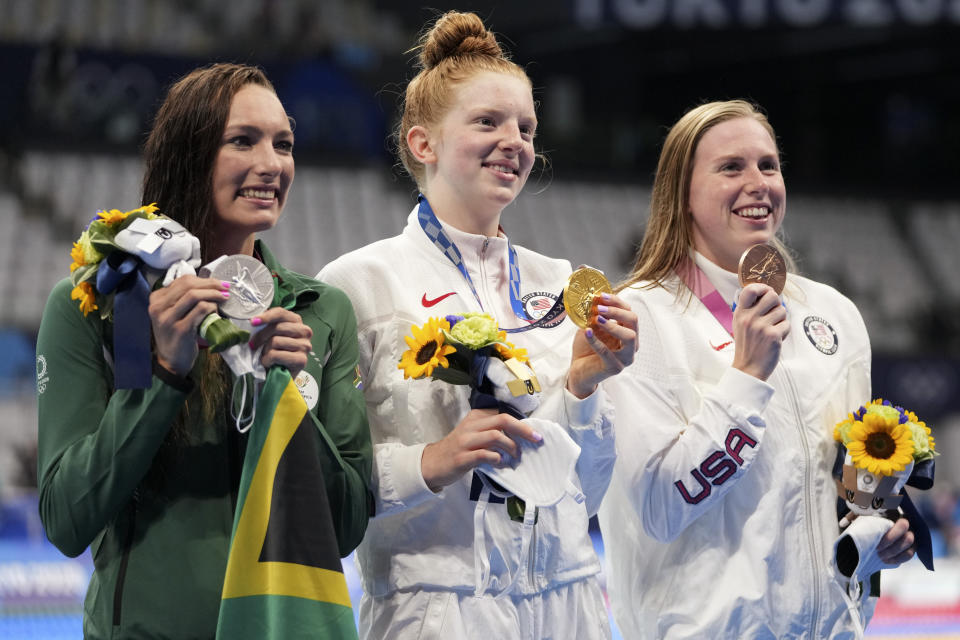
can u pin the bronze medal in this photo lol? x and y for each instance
(583, 286)
(763, 263)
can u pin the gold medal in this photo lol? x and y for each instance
(583, 286)
(763, 263)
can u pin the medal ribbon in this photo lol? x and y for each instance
(434, 230)
(120, 272)
(697, 281)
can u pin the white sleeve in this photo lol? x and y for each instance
(682, 451)
(398, 483)
(589, 422)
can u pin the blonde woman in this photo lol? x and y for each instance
(721, 514)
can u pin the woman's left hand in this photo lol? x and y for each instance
(594, 361)
(285, 339)
(897, 545)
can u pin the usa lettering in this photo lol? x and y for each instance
(718, 467)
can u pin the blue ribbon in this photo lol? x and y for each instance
(432, 227)
(120, 273)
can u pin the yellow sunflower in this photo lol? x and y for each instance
(115, 215)
(427, 349)
(880, 445)
(508, 350)
(76, 253)
(85, 294)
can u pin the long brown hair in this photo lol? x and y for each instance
(454, 49)
(179, 157)
(668, 239)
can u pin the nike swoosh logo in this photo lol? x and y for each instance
(720, 348)
(430, 303)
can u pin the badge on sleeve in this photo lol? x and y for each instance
(308, 388)
(357, 378)
(821, 334)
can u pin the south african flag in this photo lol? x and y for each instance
(284, 578)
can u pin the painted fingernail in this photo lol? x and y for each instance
(250, 344)
(225, 294)
(602, 308)
(590, 334)
(605, 296)
(256, 321)
(536, 436)
(225, 284)
(601, 320)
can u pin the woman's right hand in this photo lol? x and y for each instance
(759, 328)
(482, 436)
(176, 312)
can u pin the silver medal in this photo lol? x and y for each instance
(251, 285)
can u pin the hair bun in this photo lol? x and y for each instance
(457, 34)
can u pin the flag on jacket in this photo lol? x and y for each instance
(284, 578)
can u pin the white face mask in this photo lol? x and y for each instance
(855, 559)
(542, 478)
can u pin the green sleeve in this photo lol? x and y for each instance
(341, 411)
(95, 444)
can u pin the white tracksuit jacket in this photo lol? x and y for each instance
(721, 515)
(422, 540)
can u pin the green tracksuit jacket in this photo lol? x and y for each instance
(159, 532)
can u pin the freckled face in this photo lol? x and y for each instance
(737, 195)
(254, 167)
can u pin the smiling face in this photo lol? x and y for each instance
(737, 195)
(253, 169)
(481, 152)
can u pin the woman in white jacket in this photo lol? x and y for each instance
(721, 515)
(466, 136)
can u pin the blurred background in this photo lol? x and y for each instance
(864, 95)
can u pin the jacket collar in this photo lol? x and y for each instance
(293, 290)
(726, 283)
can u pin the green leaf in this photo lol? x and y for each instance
(452, 376)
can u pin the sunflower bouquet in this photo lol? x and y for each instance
(117, 260)
(97, 241)
(882, 448)
(883, 444)
(470, 349)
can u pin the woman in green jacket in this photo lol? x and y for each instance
(148, 478)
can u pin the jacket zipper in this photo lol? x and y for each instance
(124, 559)
(532, 560)
(807, 501)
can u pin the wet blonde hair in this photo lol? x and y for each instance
(454, 49)
(668, 240)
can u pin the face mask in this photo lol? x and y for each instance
(543, 475)
(855, 559)
(542, 478)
